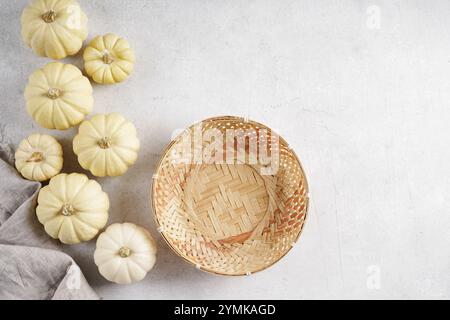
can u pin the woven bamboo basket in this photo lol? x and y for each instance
(221, 205)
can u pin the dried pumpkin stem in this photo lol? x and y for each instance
(108, 58)
(124, 252)
(53, 93)
(49, 16)
(67, 210)
(36, 157)
(105, 142)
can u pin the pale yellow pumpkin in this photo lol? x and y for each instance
(108, 59)
(106, 145)
(39, 157)
(58, 96)
(72, 208)
(125, 253)
(54, 28)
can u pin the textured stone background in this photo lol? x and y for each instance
(360, 89)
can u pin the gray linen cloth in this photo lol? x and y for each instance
(31, 265)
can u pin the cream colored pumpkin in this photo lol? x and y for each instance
(106, 145)
(108, 59)
(39, 157)
(72, 208)
(58, 96)
(54, 28)
(125, 253)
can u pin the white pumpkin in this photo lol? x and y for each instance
(58, 96)
(108, 59)
(106, 145)
(39, 157)
(54, 28)
(72, 208)
(125, 253)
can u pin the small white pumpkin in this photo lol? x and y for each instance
(39, 157)
(72, 208)
(125, 253)
(54, 28)
(58, 96)
(108, 59)
(106, 145)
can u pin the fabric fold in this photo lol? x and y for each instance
(31, 263)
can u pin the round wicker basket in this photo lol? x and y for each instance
(230, 196)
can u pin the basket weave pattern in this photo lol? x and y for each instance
(228, 218)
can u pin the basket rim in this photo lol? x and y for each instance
(152, 196)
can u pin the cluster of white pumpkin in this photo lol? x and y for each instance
(72, 207)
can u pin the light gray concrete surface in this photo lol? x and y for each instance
(360, 89)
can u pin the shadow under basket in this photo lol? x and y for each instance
(236, 215)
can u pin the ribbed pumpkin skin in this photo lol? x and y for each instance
(106, 145)
(54, 28)
(58, 96)
(109, 59)
(39, 157)
(72, 208)
(138, 246)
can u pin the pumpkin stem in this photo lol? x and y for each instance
(67, 210)
(53, 93)
(124, 252)
(108, 58)
(49, 16)
(36, 157)
(105, 142)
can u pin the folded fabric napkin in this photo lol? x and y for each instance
(31, 265)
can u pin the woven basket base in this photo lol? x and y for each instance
(225, 201)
